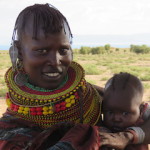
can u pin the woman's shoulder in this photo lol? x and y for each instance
(99, 89)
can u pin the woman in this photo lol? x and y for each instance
(46, 88)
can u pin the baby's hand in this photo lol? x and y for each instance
(104, 129)
(115, 140)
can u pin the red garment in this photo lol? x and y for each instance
(26, 135)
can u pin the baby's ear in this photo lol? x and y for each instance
(140, 119)
(142, 109)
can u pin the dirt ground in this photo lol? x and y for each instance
(2, 106)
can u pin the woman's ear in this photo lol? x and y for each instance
(18, 47)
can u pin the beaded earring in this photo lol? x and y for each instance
(21, 77)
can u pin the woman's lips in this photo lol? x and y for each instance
(51, 76)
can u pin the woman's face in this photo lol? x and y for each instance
(45, 60)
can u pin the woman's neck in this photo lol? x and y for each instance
(32, 86)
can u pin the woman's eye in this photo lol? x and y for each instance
(64, 50)
(42, 51)
(125, 113)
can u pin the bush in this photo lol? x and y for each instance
(140, 49)
(85, 50)
(97, 50)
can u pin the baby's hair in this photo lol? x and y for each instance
(53, 20)
(121, 80)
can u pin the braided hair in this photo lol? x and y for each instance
(52, 19)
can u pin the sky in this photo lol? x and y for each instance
(120, 22)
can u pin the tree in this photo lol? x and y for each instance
(85, 50)
(107, 47)
(117, 49)
(98, 50)
(140, 49)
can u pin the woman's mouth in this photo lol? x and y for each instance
(52, 74)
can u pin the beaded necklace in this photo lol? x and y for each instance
(47, 108)
(29, 85)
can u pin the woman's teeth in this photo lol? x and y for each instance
(52, 74)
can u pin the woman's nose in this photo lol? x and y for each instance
(53, 59)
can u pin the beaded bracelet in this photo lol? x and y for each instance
(138, 134)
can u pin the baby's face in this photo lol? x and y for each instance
(120, 111)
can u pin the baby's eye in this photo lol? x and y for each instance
(125, 113)
(110, 112)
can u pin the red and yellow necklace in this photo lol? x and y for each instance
(47, 108)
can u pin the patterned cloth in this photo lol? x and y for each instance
(20, 134)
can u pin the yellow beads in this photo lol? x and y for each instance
(68, 105)
(8, 102)
(24, 110)
(69, 101)
(47, 110)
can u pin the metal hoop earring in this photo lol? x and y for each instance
(13, 52)
(21, 78)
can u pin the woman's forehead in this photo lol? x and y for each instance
(29, 30)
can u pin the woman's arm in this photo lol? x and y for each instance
(146, 128)
(146, 125)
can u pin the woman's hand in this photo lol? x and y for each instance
(115, 140)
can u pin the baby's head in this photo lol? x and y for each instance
(122, 100)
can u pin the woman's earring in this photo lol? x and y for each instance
(13, 52)
(21, 78)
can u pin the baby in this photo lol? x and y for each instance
(122, 104)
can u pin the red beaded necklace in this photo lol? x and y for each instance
(51, 107)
